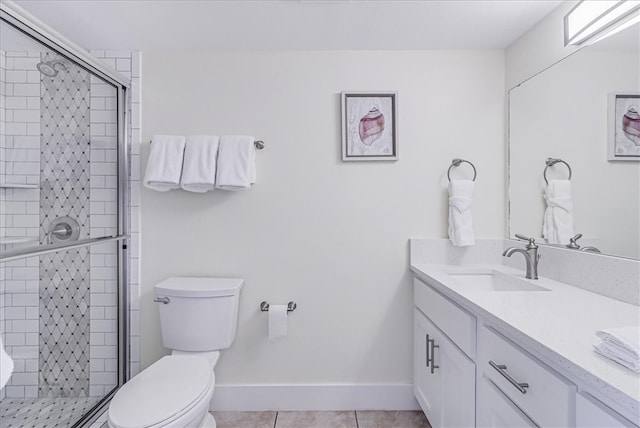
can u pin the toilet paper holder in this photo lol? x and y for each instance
(291, 306)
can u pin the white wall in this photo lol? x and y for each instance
(331, 236)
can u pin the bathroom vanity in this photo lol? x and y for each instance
(492, 348)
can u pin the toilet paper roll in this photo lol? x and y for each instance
(277, 321)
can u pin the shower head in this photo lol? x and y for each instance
(51, 68)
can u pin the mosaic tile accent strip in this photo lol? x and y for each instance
(64, 277)
(43, 412)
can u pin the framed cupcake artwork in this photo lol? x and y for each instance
(369, 126)
(624, 127)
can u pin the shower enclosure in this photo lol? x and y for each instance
(63, 211)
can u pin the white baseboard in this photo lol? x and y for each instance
(313, 397)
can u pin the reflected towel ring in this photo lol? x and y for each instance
(457, 162)
(551, 162)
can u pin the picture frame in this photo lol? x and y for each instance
(369, 126)
(624, 127)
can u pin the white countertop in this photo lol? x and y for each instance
(558, 326)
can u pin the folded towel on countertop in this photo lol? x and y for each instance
(460, 218)
(199, 166)
(164, 166)
(236, 162)
(557, 227)
(621, 345)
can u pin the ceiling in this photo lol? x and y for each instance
(171, 25)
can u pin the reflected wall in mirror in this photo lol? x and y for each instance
(563, 113)
(58, 147)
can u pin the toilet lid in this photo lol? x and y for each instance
(166, 388)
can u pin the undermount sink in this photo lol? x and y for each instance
(491, 280)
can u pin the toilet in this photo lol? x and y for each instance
(198, 318)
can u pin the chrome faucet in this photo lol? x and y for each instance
(530, 254)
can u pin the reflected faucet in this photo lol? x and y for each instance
(573, 244)
(530, 254)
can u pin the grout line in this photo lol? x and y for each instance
(275, 421)
(356, 415)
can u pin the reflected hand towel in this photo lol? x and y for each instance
(557, 226)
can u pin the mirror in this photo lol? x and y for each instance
(564, 112)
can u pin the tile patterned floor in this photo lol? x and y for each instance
(43, 412)
(314, 419)
(60, 413)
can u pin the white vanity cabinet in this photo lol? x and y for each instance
(591, 413)
(467, 373)
(444, 376)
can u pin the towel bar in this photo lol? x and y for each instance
(551, 162)
(457, 162)
(291, 306)
(258, 143)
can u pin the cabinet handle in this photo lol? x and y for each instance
(431, 345)
(427, 351)
(502, 369)
(433, 354)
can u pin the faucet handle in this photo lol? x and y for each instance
(572, 242)
(532, 241)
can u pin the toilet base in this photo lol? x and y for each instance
(208, 421)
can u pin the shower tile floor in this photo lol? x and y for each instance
(43, 412)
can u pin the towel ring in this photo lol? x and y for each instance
(457, 162)
(551, 162)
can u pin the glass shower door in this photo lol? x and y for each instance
(61, 226)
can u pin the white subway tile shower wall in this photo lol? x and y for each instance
(21, 207)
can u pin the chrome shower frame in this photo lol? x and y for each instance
(38, 30)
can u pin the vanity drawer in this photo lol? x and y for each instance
(455, 322)
(549, 399)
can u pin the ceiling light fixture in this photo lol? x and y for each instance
(591, 18)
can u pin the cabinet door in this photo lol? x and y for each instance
(425, 385)
(445, 389)
(495, 410)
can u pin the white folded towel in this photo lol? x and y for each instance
(236, 162)
(6, 366)
(199, 166)
(621, 345)
(164, 166)
(460, 218)
(557, 227)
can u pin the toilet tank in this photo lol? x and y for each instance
(201, 314)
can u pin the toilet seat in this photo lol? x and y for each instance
(169, 390)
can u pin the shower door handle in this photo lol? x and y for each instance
(164, 300)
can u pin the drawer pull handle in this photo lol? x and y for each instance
(432, 343)
(502, 369)
(427, 351)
